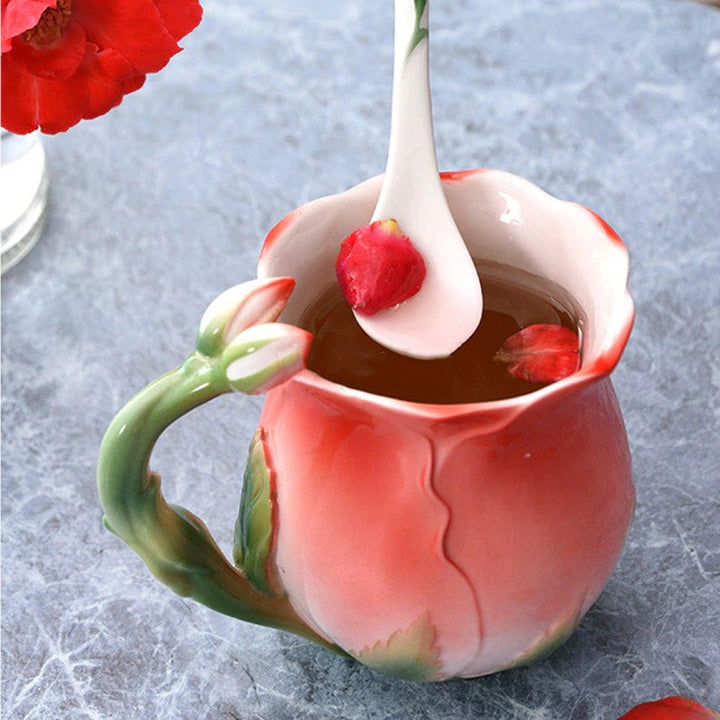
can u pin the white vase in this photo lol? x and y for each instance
(23, 195)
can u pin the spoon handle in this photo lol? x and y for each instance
(412, 163)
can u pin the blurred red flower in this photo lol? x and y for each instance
(68, 60)
(671, 708)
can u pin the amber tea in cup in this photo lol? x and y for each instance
(344, 353)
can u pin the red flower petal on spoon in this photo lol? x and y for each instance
(541, 353)
(378, 267)
(671, 708)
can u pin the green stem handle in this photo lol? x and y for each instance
(175, 544)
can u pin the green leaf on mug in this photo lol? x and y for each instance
(254, 524)
(549, 641)
(410, 653)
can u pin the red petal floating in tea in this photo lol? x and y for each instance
(671, 708)
(378, 267)
(541, 353)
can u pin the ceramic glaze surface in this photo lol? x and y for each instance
(494, 525)
(501, 536)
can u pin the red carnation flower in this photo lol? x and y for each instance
(68, 60)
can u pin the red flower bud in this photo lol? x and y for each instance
(378, 267)
(541, 353)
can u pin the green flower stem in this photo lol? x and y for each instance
(175, 544)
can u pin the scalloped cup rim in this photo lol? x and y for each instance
(589, 372)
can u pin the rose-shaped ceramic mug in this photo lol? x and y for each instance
(428, 541)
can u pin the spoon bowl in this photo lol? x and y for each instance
(446, 310)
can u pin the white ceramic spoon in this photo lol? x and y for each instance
(445, 312)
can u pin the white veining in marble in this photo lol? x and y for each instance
(163, 203)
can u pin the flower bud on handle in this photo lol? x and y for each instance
(264, 356)
(239, 308)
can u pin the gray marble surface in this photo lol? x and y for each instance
(163, 203)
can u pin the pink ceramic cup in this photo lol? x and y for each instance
(427, 541)
(472, 537)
